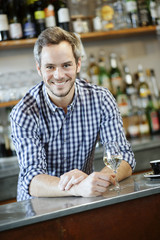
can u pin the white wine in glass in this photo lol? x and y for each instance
(112, 158)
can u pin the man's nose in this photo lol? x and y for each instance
(58, 73)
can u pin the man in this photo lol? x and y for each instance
(56, 125)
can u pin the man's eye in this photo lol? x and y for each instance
(67, 65)
(50, 67)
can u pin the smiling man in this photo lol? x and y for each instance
(56, 125)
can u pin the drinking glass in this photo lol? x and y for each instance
(112, 158)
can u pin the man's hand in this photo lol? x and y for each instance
(94, 185)
(67, 180)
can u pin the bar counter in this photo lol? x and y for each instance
(132, 213)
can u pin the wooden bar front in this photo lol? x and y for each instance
(135, 219)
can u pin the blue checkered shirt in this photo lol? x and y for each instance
(48, 141)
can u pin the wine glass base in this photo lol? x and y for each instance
(115, 188)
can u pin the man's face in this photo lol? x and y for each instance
(58, 70)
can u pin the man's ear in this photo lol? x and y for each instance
(38, 69)
(79, 65)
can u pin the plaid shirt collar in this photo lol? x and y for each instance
(52, 106)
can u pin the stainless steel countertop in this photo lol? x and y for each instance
(41, 209)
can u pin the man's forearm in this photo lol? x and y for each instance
(44, 185)
(95, 184)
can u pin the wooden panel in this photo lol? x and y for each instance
(135, 219)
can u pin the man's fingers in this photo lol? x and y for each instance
(74, 181)
(77, 180)
(63, 182)
(69, 184)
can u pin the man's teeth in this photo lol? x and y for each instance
(59, 84)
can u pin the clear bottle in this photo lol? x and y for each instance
(50, 19)
(107, 15)
(62, 14)
(115, 74)
(84, 74)
(131, 90)
(74, 8)
(15, 26)
(4, 26)
(104, 79)
(39, 16)
(97, 20)
(120, 15)
(93, 70)
(132, 10)
(152, 5)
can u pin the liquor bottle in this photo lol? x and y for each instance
(97, 20)
(28, 23)
(50, 19)
(84, 74)
(132, 10)
(133, 125)
(15, 26)
(107, 14)
(122, 102)
(104, 79)
(93, 70)
(30, 3)
(143, 123)
(4, 26)
(153, 85)
(131, 90)
(120, 15)
(115, 74)
(143, 88)
(152, 116)
(62, 14)
(39, 16)
(152, 5)
(158, 12)
(143, 13)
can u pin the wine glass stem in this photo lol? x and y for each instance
(117, 186)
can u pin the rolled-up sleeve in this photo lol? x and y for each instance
(111, 128)
(29, 149)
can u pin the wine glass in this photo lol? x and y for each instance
(112, 158)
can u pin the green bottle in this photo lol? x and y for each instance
(115, 74)
(152, 116)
